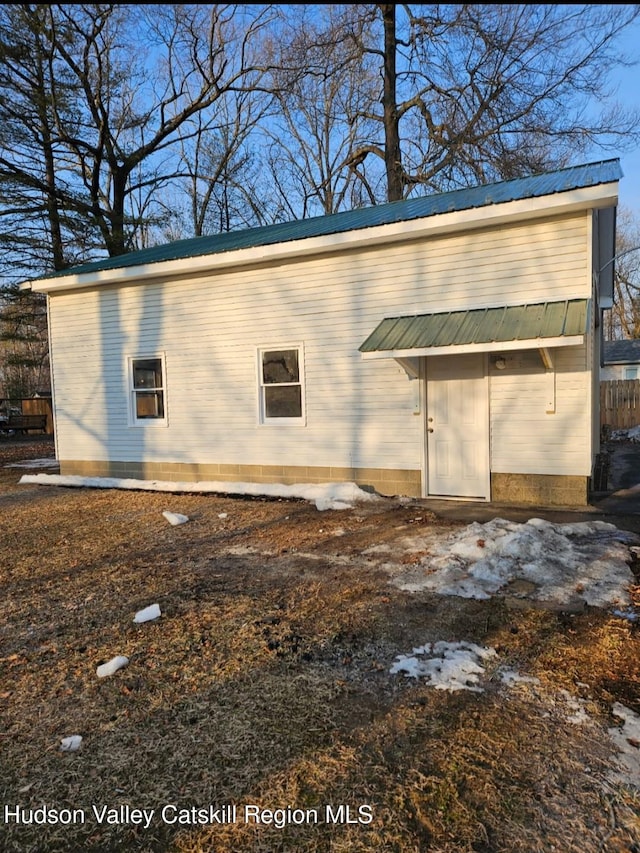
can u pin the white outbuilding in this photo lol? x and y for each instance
(445, 346)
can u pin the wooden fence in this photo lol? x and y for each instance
(30, 406)
(620, 403)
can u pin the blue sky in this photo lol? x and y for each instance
(629, 95)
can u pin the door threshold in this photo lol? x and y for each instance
(456, 498)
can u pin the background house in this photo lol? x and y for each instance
(621, 360)
(442, 346)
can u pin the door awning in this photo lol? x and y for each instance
(538, 326)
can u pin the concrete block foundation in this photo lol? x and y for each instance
(540, 489)
(384, 481)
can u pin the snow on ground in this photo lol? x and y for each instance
(111, 666)
(631, 434)
(463, 666)
(71, 743)
(452, 666)
(175, 518)
(147, 614)
(555, 563)
(46, 462)
(587, 561)
(325, 496)
(627, 740)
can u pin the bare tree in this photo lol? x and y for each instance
(94, 101)
(320, 84)
(473, 93)
(373, 101)
(24, 354)
(224, 187)
(105, 93)
(623, 320)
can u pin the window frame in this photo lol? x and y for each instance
(263, 419)
(132, 392)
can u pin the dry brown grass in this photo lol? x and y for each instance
(266, 682)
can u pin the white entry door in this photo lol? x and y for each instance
(457, 427)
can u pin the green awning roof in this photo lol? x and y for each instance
(534, 324)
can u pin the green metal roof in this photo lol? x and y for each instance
(480, 326)
(548, 183)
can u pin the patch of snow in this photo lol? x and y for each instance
(512, 676)
(459, 666)
(112, 666)
(575, 711)
(47, 462)
(453, 666)
(323, 504)
(175, 518)
(328, 495)
(587, 560)
(378, 549)
(147, 614)
(71, 743)
(627, 739)
(631, 434)
(629, 614)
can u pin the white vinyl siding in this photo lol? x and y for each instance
(358, 413)
(525, 439)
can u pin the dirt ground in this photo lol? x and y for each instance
(265, 686)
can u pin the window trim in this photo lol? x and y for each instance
(134, 420)
(263, 420)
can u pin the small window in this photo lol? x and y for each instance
(631, 373)
(281, 393)
(146, 378)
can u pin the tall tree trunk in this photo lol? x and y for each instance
(41, 96)
(116, 243)
(392, 154)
